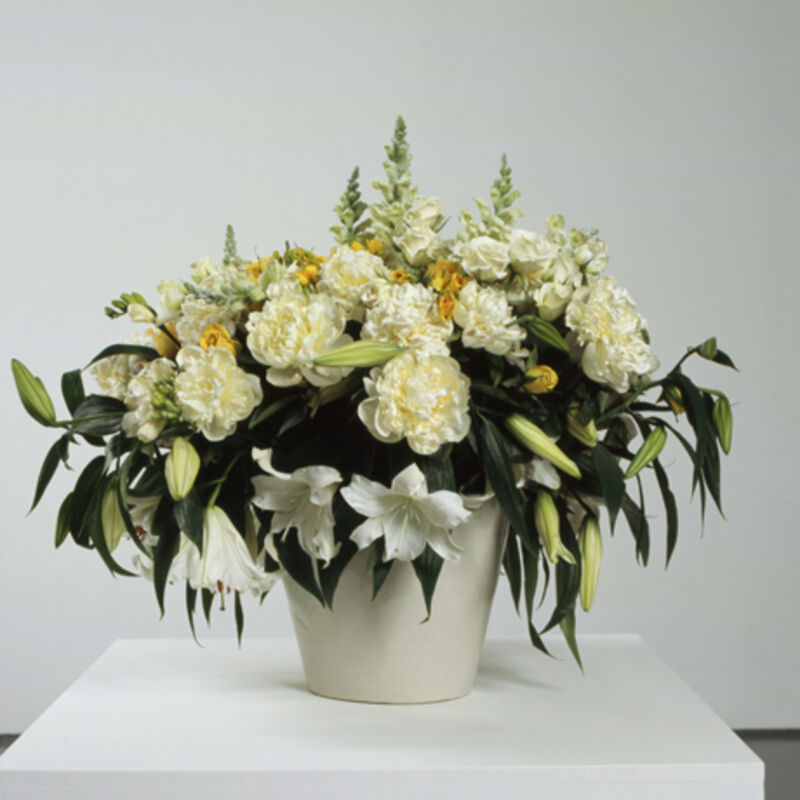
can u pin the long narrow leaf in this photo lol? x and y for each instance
(670, 508)
(427, 567)
(612, 480)
(49, 466)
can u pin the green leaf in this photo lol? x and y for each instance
(513, 568)
(188, 514)
(95, 529)
(567, 626)
(47, 471)
(709, 348)
(62, 520)
(544, 331)
(723, 422)
(207, 599)
(239, 616)
(670, 507)
(696, 414)
(168, 534)
(427, 568)
(496, 457)
(148, 353)
(298, 564)
(85, 487)
(530, 561)
(33, 395)
(72, 389)
(98, 415)
(329, 576)
(568, 579)
(724, 359)
(380, 571)
(191, 603)
(612, 481)
(269, 409)
(640, 528)
(438, 471)
(122, 483)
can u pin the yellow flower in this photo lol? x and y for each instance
(216, 336)
(356, 246)
(400, 275)
(439, 274)
(675, 399)
(458, 282)
(166, 346)
(308, 276)
(541, 379)
(375, 246)
(255, 268)
(446, 304)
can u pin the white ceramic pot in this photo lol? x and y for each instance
(381, 651)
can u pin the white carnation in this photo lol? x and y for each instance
(607, 327)
(349, 276)
(213, 392)
(407, 314)
(484, 258)
(197, 315)
(421, 398)
(484, 315)
(291, 331)
(138, 421)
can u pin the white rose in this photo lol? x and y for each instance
(484, 315)
(560, 282)
(607, 327)
(416, 236)
(592, 256)
(484, 258)
(426, 211)
(172, 294)
(291, 331)
(408, 315)
(213, 392)
(139, 421)
(348, 275)
(531, 253)
(415, 244)
(424, 399)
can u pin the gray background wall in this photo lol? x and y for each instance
(133, 132)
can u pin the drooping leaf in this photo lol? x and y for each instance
(188, 514)
(530, 562)
(298, 564)
(168, 534)
(191, 603)
(639, 526)
(612, 480)
(670, 508)
(62, 520)
(567, 626)
(380, 572)
(88, 483)
(438, 471)
(568, 578)
(329, 576)
(49, 466)
(239, 616)
(122, 484)
(207, 599)
(94, 525)
(513, 569)
(148, 353)
(427, 567)
(72, 389)
(98, 415)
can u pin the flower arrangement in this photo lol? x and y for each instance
(279, 414)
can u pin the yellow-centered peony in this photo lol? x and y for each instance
(216, 336)
(541, 379)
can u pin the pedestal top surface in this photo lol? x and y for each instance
(166, 705)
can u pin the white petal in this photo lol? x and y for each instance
(545, 473)
(264, 460)
(405, 533)
(441, 542)
(444, 509)
(322, 481)
(276, 494)
(367, 532)
(410, 482)
(370, 498)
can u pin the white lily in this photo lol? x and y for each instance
(225, 562)
(406, 515)
(301, 500)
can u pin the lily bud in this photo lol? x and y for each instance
(591, 545)
(548, 526)
(33, 395)
(723, 422)
(538, 442)
(585, 434)
(363, 353)
(648, 452)
(111, 519)
(181, 468)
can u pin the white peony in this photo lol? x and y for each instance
(484, 258)
(406, 515)
(213, 392)
(484, 315)
(408, 315)
(293, 329)
(531, 253)
(196, 315)
(302, 500)
(605, 324)
(138, 421)
(422, 398)
(349, 276)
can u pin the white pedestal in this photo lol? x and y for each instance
(165, 719)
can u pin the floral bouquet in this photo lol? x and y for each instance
(279, 414)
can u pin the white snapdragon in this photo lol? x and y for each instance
(610, 332)
(293, 329)
(302, 500)
(424, 399)
(213, 392)
(349, 276)
(484, 315)
(484, 258)
(139, 421)
(407, 314)
(407, 516)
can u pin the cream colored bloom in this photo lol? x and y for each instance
(484, 315)
(558, 285)
(607, 327)
(140, 313)
(416, 234)
(293, 329)
(139, 421)
(406, 515)
(407, 315)
(302, 500)
(484, 258)
(592, 256)
(531, 253)
(348, 274)
(114, 373)
(421, 398)
(213, 392)
(196, 315)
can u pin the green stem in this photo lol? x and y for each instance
(223, 478)
(613, 412)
